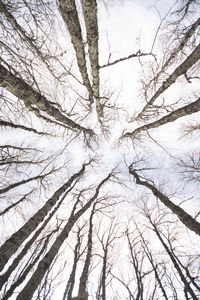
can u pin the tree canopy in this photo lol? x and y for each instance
(99, 149)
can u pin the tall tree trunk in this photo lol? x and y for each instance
(12, 267)
(29, 266)
(70, 284)
(184, 217)
(70, 16)
(171, 117)
(177, 50)
(103, 279)
(91, 22)
(22, 90)
(180, 70)
(184, 280)
(45, 263)
(16, 240)
(84, 275)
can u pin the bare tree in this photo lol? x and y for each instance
(14, 242)
(72, 225)
(77, 255)
(187, 286)
(32, 284)
(184, 217)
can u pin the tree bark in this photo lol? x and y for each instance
(180, 46)
(12, 267)
(44, 264)
(16, 240)
(70, 16)
(91, 22)
(171, 117)
(184, 217)
(184, 280)
(84, 275)
(31, 97)
(70, 284)
(180, 70)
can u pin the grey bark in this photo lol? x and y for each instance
(187, 286)
(183, 216)
(103, 280)
(180, 46)
(71, 281)
(18, 126)
(171, 117)
(44, 264)
(12, 267)
(70, 16)
(91, 22)
(23, 35)
(180, 70)
(85, 272)
(16, 240)
(29, 266)
(31, 97)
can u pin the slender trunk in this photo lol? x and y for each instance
(30, 265)
(70, 16)
(180, 70)
(171, 117)
(70, 284)
(84, 275)
(90, 16)
(103, 280)
(150, 258)
(186, 269)
(137, 270)
(45, 263)
(186, 284)
(23, 35)
(16, 240)
(12, 267)
(16, 184)
(184, 217)
(180, 46)
(22, 90)
(17, 126)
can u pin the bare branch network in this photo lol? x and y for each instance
(99, 150)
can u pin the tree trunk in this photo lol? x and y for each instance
(180, 70)
(184, 280)
(16, 240)
(171, 117)
(70, 16)
(45, 263)
(184, 217)
(84, 275)
(31, 97)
